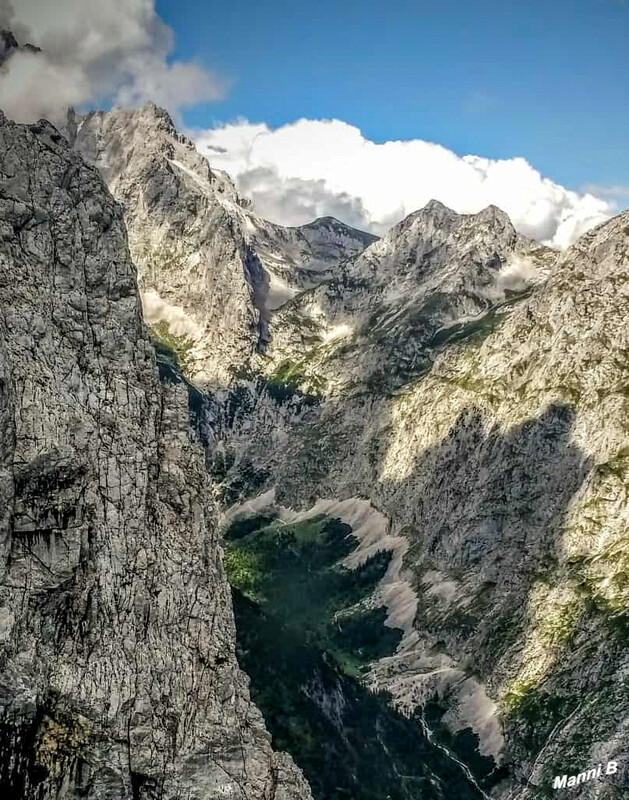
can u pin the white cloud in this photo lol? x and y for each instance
(95, 51)
(9, 22)
(617, 192)
(314, 167)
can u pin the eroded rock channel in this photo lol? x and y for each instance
(308, 628)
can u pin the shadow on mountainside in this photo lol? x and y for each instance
(481, 499)
(484, 511)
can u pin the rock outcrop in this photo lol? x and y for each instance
(10, 45)
(118, 672)
(431, 279)
(209, 267)
(504, 471)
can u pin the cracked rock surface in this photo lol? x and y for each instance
(118, 676)
(209, 267)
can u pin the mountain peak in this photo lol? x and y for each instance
(492, 212)
(436, 206)
(326, 220)
(161, 115)
(8, 43)
(338, 227)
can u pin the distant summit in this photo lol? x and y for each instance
(9, 44)
(340, 229)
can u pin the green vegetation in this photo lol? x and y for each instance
(293, 376)
(516, 693)
(473, 331)
(306, 632)
(410, 356)
(608, 604)
(173, 348)
(293, 571)
(537, 711)
(559, 628)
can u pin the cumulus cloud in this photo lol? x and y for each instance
(294, 200)
(314, 167)
(618, 192)
(115, 51)
(8, 21)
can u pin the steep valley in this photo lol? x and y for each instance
(501, 466)
(307, 630)
(408, 456)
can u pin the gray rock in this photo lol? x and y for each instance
(471, 412)
(499, 468)
(208, 265)
(119, 677)
(505, 470)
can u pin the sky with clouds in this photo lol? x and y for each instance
(96, 52)
(361, 110)
(374, 185)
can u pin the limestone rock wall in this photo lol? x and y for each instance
(505, 468)
(118, 676)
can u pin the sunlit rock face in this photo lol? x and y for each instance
(117, 645)
(504, 467)
(216, 268)
(498, 459)
(454, 392)
(435, 277)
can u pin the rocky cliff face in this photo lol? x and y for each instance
(502, 475)
(498, 469)
(118, 670)
(431, 279)
(9, 45)
(455, 393)
(209, 268)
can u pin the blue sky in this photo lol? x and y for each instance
(545, 80)
(365, 111)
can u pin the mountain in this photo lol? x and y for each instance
(9, 45)
(435, 276)
(491, 464)
(209, 268)
(417, 446)
(498, 478)
(456, 394)
(119, 673)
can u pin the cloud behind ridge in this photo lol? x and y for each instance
(314, 167)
